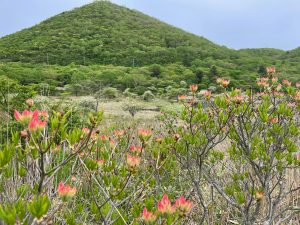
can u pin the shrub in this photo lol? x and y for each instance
(110, 92)
(148, 96)
(234, 160)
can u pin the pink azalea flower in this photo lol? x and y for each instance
(164, 206)
(275, 79)
(278, 88)
(86, 130)
(100, 162)
(183, 207)
(24, 117)
(24, 133)
(36, 125)
(144, 134)
(273, 120)
(238, 99)
(148, 217)
(271, 69)
(133, 162)
(193, 87)
(298, 156)
(103, 138)
(286, 82)
(135, 148)
(29, 102)
(223, 82)
(66, 191)
(206, 93)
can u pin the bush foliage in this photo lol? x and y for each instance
(222, 158)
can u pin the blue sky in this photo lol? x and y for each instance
(233, 23)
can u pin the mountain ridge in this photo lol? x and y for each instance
(100, 16)
(104, 33)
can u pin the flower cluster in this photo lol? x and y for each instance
(271, 70)
(36, 120)
(193, 87)
(144, 134)
(164, 207)
(66, 191)
(205, 93)
(183, 206)
(148, 217)
(263, 82)
(238, 99)
(133, 162)
(286, 82)
(137, 149)
(223, 82)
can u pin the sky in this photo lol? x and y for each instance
(232, 23)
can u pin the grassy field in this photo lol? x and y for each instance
(147, 110)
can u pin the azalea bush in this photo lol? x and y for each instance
(240, 150)
(54, 173)
(226, 158)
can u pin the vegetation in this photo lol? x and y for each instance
(216, 150)
(136, 51)
(231, 155)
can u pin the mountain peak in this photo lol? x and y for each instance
(104, 33)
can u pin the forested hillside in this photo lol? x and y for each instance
(105, 33)
(150, 52)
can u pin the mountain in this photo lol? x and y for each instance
(105, 33)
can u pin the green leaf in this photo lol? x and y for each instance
(39, 206)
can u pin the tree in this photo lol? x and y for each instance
(13, 95)
(261, 70)
(155, 70)
(213, 72)
(199, 74)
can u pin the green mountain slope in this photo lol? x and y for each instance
(120, 47)
(262, 52)
(105, 33)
